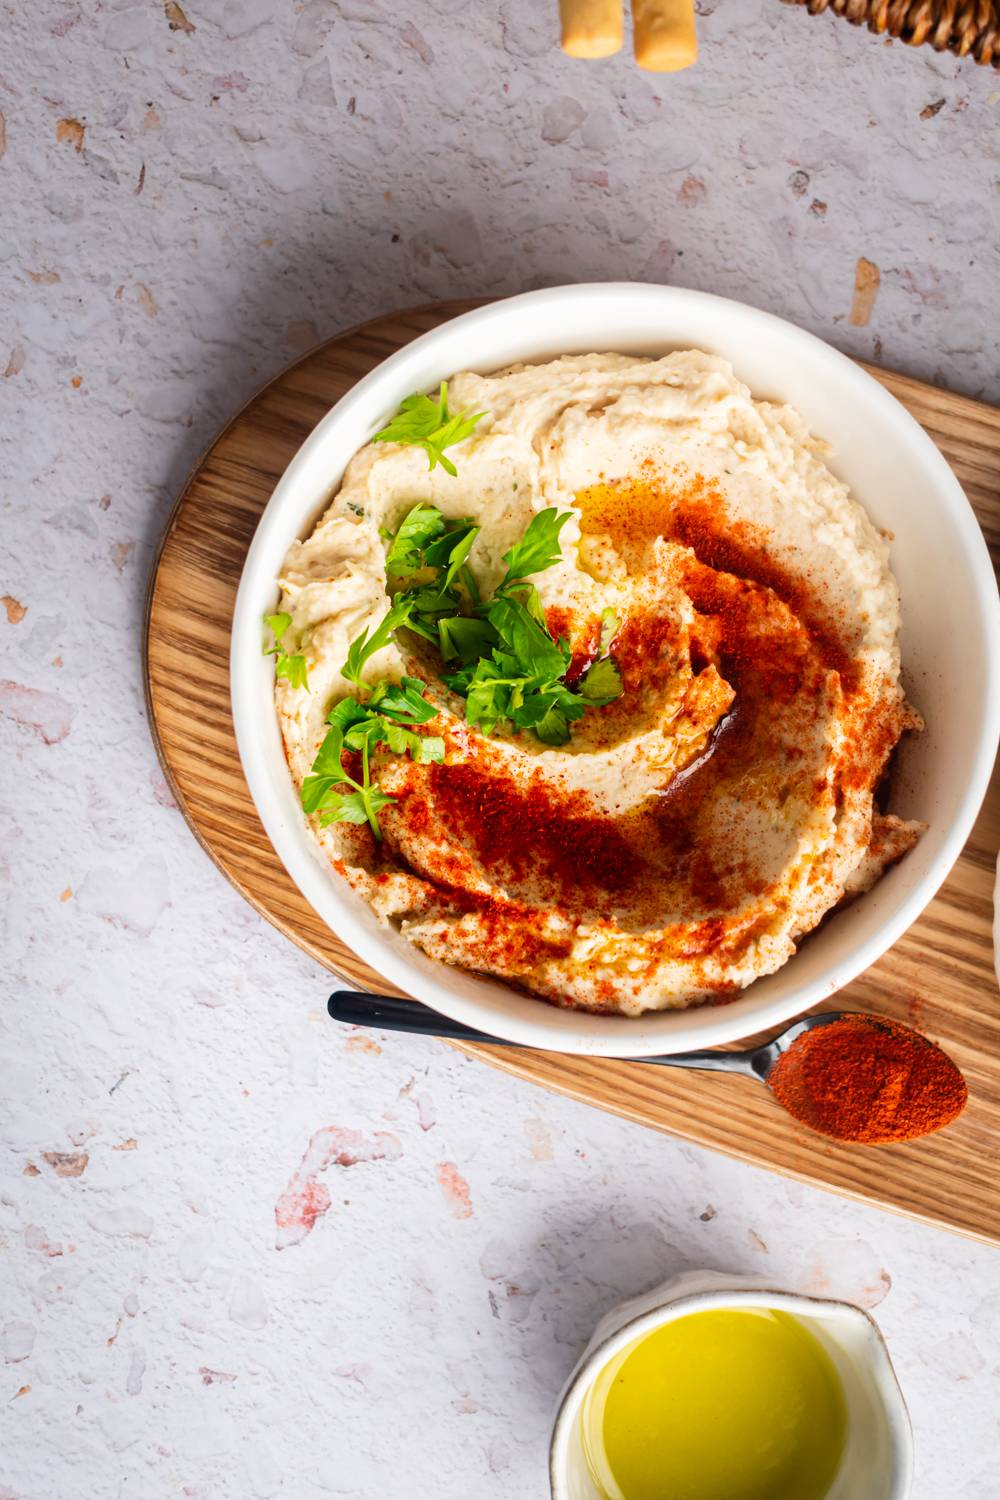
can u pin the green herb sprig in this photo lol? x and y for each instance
(538, 549)
(391, 715)
(508, 666)
(365, 645)
(291, 667)
(512, 668)
(428, 424)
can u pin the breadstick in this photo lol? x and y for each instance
(591, 28)
(665, 38)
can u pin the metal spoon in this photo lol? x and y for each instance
(389, 1014)
(357, 1008)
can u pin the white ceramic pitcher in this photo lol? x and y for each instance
(878, 1451)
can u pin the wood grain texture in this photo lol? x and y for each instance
(939, 975)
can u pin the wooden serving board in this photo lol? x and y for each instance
(939, 975)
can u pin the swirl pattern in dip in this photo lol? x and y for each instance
(691, 832)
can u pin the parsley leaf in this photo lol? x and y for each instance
(327, 771)
(465, 637)
(426, 540)
(488, 695)
(537, 654)
(461, 546)
(390, 716)
(429, 425)
(361, 806)
(471, 586)
(430, 600)
(277, 625)
(543, 715)
(375, 799)
(440, 551)
(539, 548)
(365, 645)
(602, 682)
(424, 627)
(550, 712)
(403, 700)
(367, 734)
(431, 748)
(291, 667)
(527, 594)
(416, 530)
(345, 714)
(512, 669)
(459, 681)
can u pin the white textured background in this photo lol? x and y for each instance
(181, 211)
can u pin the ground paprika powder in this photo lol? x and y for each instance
(869, 1079)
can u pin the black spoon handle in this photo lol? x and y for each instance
(358, 1008)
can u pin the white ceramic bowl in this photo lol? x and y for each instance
(878, 1453)
(950, 642)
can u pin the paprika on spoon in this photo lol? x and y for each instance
(868, 1079)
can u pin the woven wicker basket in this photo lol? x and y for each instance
(969, 28)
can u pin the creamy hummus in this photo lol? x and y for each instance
(690, 833)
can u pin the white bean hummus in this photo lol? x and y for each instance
(698, 820)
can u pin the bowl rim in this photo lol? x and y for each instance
(588, 1033)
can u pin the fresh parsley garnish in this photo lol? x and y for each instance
(465, 638)
(365, 645)
(391, 715)
(528, 641)
(512, 670)
(539, 548)
(602, 681)
(497, 690)
(291, 667)
(277, 624)
(326, 791)
(549, 713)
(428, 424)
(294, 668)
(417, 531)
(451, 552)
(426, 546)
(500, 654)
(426, 540)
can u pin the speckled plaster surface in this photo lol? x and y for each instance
(189, 198)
